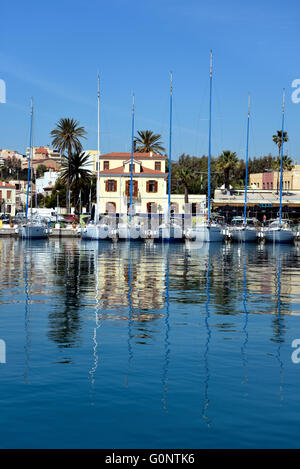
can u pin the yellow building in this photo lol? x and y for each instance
(149, 193)
(7, 198)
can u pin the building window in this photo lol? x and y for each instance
(9, 209)
(111, 185)
(134, 188)
(8, 195)
(106, 165)
(133, 168)
(151, 186)
(263, 185)
(271, 185)
(158, 165)
(258, 185)
(267, 185)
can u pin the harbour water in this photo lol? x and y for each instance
(148, 346)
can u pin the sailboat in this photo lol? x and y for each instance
(244, 229)
(209, 231)
(280, 231)
(33, 228)
(96, 230)
(170, 231)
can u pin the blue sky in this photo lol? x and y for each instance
(53, 51)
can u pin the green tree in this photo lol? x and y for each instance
(66, 138)
(40, 170)
(148, 141)
(74, 170)
(226, 164)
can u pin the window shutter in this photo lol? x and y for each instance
(106, 186)
(155, 190)
(115, 186)
(135, 188)
(147, 186)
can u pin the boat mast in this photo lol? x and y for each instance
(247, 151)
(131, 167)
(281, 156)
(209, 133)
(170, 145)
(29, 161)
(98, 153)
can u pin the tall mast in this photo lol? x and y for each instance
(29, 161)
(247, 148)
(209, 133)
(281, 156)
(98, 153)
(131, 168)
(170, 145)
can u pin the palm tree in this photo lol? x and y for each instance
(226, 163)
(66, 138)
(287, 163)
(148, 141)
(74, 171)
(277, 139)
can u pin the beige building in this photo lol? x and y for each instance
(149, 193)
(7, 198)
(40, 153)
(270, 180)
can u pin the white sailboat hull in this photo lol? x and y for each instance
(206, 234)
(279, 235)
(127, 232)
(33, 231)
(96, 232)
(244, 234)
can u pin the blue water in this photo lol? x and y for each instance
(140, 346)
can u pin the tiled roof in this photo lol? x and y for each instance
(5, 184)
(144, 171)
(136, 155)
(41, 151)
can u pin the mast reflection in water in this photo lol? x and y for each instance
(182, 325)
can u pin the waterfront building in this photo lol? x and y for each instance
(7, 198)
(260, 203)
(270, 180)
(149, 193)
